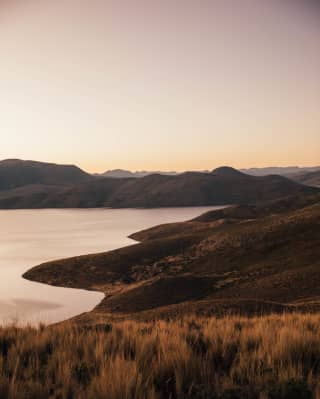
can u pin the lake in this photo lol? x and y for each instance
(31, 237)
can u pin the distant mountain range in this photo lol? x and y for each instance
(282, 171)
(308, 178)
(28, 184)
(122, 173)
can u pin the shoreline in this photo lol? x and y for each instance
(167, 270)
(130, 242)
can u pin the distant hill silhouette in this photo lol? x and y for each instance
(16, 173)
(307, 178)
(279, 170)
(27, 184)
(287, 171)
(122, 173)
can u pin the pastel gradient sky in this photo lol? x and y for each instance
(167, 84)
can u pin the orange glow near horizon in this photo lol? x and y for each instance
(170, 85)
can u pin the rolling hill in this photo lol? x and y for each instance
(17, 173)
(122, 173)
(309, 178)
(26, 184)
(286, 171)
(259, 258)
(278, 170)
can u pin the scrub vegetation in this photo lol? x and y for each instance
(266, 357)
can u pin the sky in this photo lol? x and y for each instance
(160, 85)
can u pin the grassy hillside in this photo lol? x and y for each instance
(243, 258)
(220, 307)
(271, 357)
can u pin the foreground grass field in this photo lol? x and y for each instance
(267, 357)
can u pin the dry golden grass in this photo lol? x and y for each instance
(267, 357)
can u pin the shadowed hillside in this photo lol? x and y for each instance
(187, 189)
(309, 179)
(33, 185)
(121, 173)
(249, 258)
(282, 171)
(17, 173)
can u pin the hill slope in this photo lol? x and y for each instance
(122, 173)
(282, 171)
(220, 187)
(258, 258)
(17, 173)
(309, 179)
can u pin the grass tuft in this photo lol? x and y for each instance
(267, 357)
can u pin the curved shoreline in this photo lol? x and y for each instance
(126, 241)
(226, 259)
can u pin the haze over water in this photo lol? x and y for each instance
(30, 237)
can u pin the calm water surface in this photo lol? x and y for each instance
(30, 237)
